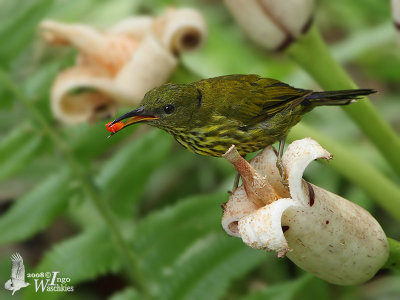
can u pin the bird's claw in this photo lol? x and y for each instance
(282, 172)
(285, 182)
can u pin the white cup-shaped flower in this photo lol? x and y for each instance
(272, 24)
(118, 66)
(319, 231)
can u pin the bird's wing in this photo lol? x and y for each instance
(274, 97)
(251, 99)
(18, 269)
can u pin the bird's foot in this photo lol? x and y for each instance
(285, 183)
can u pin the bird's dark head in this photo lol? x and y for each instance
(167, 107)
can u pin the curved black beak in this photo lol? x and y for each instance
(135, 116)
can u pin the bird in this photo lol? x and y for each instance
(210, 115)
(17, 280)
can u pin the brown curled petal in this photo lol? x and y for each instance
(80, 94)
(118, 66)
(257, 186)
(181, 30)
(110, 52)
(80, 91)
(150, 66)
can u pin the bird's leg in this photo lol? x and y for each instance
(279, 164)
(236, 182)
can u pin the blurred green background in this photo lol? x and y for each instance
(165, 200)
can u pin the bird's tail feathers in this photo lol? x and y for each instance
(342, 97)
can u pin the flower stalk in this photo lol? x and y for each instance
(393, 261)
(313, 55)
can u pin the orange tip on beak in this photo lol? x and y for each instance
(114, 128)
(135, 116)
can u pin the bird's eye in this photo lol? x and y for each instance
(169, 108)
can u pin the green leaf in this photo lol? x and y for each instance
(81, 258)
(6, 102)
(127, 294)
(123, 177)
(206, 269)
(71, 11)
(313, 55)
(175, 228)
(196, 255)
(14, 140)
(18, 29)
(90, 140)
(36, 209)
(100, 14)
(306, 287)
(106, 13)
(284, 291)
(17, 149)
(38, 84)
